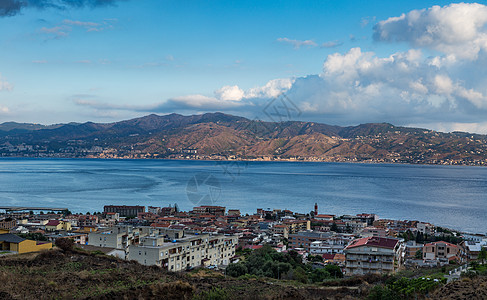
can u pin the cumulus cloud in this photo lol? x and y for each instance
(271, 89)
(444, 91)
(403, 88)
(230, 93)
(14, 7)
(297, 43)
(457, 29)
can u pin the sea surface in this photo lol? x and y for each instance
(451, 196)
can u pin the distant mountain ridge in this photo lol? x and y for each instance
(223, 136)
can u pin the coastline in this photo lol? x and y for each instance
(304, 160)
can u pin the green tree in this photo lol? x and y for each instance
(418, 254)
(482, 255)
(318, 275)
(334, 271)
(300, 275)
(315, 258)
(236, 270)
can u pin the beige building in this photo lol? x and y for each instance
(187, 252)
(442, 251)
(56, 225)
(376, 255)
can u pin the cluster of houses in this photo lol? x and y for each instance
(210, 236)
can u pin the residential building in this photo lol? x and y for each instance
(411, 248)
(377, 255)
(473, 248)
(89, 220)
(16, 244)
(234, 212)
(297, 225)
(56, 225)
(208, 209)
(8, 223)
(281, 230)
(187, 252)
(331, 245)
(443, 252)
(425, 228)
(154, 210)
(304, 239)
(124, 210)
(373, 231)
(119, 237)
(324, 217)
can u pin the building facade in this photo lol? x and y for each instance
(188, 252)
(124, 210)
(376, 255)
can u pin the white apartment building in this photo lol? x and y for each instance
(187, 252)
(376, 255)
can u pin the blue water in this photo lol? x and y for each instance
(453, 196)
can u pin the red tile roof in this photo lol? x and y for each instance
(53, 223)
(327, 256)
(374, 241)
(441, 242)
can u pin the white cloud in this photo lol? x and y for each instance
(271, 89)
(230, 93)
(456, 29)
(446, 92)
(297, 43)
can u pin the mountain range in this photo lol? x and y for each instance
(223, 136)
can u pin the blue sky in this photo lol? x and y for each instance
(339, 62)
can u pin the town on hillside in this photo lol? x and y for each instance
(216, 238)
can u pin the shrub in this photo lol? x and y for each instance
(215, 293)
(236, 270)
(172, 290)
(65, 244)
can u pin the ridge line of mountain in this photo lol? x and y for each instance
(223, 136)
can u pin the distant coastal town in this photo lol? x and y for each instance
(98, 152)
(218, 238)
(218, 136)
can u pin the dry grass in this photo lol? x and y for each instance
(80, 275)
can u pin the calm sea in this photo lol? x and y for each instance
(453, 196)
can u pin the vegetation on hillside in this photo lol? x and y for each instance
(269, 263)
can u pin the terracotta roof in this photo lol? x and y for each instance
(324, 216)
(53, 223)
(441, 242)
(374, 241)
(328, 256)
(253, 247)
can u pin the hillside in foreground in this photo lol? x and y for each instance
(83, 275)
(220, 137)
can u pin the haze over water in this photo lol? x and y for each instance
(452, 196)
